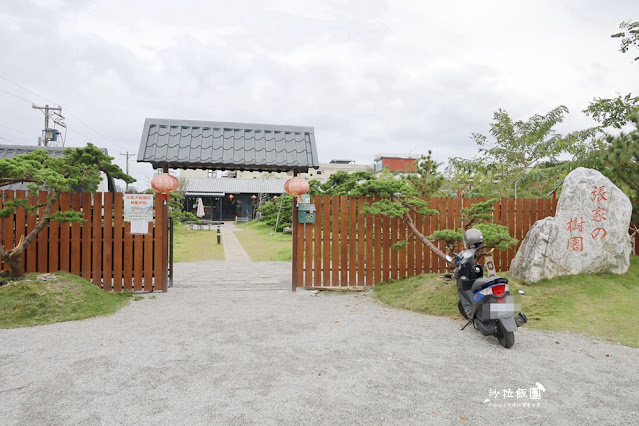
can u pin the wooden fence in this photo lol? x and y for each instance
(346, 248)
(101, 250)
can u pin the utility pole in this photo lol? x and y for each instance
(127, 155)
(49, 134)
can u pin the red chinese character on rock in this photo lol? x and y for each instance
(576, 224)
(576, 244)
(599, 214)
(599, 194)
(595, 233)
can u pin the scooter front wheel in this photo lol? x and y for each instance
(506, 338)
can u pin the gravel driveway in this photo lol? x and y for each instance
(226, 346)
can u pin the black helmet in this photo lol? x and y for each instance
(473, 238)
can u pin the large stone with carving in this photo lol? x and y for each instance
(588, 234)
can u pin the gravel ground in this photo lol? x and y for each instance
(226, 346)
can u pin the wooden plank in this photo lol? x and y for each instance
(138, 261)
(43, 237)
(443, 220)
(553, 210)
(20, 222)
(343, 239)
(534, 211)
(326, 240)
(118, 244)
(401, 253)
(54, 240)
(548, 207)
(526, 218)
(65, 234)
(299, 256)
(426, 252)
(335, 241)
(32, 252)
(86, 237)
(377, 224)
(352, 241)
(429, 226)
(148, 259)
(394, 235)
(107, 244)
(496, 218)
(361, 242)
(386, 243)
(370, 236)
(76, 236)
(308, 248)
(96, 240)
(128, 255)
(519, 227)
(512, 220)
(8, 242)
(419, 247)
(317, 243)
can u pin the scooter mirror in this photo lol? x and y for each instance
(521, 292)
(448, 258)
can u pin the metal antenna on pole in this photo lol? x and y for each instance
(127, 155)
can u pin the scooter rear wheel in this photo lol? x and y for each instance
(506, 338)
(461, 309)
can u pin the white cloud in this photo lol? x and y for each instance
(370, 76)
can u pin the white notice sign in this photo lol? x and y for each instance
(138, 227)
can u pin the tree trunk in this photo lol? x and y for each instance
(432, 247)
(14, 260)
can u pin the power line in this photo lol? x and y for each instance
(49, 100)
(24, 88)
(15, 96)
(16, 131)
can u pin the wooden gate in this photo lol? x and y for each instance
(346, 248)
(101, 250)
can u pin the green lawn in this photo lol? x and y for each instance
(263, 244)
(28, 303)
(195, 245)
(602, 306)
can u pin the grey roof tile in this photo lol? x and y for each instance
(227, 146)
(201, 186)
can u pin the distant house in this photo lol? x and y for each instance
(107, 184)
(321, 173)
(396, 162)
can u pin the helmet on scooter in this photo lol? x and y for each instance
(473, 238)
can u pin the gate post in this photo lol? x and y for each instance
(295, 248)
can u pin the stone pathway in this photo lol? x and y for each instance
(233, 250)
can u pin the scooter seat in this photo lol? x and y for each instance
(482, 283)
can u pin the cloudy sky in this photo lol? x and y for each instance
(370, 76)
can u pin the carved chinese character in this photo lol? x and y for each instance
(576, 224)
(576, 244)
(599, 214)
(599, 194)
(595, 233)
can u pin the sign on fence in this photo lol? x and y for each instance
(138, 209)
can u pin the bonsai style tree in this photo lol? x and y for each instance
(399, 200)
(79, 169)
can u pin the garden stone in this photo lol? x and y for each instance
(588, 234)
(287, 230)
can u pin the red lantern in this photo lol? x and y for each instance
(164, 184)
(296, 186)
(231, 197)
